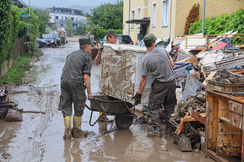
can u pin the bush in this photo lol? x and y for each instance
(221, 24)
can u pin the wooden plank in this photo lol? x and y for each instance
(198, 117)
(229, 140)
(223, 104)
(181, 126)
(210, 77)
(189, 120)
(203, 73)
(193, 60)
(242, 148)
(224, 119)
(214, 123)
(215, 156)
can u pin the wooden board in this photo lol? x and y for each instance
(210, 77)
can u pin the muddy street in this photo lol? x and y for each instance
(39, 137)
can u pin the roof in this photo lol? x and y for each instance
(62, 8)
(20, 3)
(139, 21)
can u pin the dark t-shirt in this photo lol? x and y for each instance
(157, 61)
(77, 64)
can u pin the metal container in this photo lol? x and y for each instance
(120, 72)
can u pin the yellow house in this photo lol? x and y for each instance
(167, 18)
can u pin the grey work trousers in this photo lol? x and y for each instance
(72, 92)
(162, 92)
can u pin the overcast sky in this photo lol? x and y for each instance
(67, 3)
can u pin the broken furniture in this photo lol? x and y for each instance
(224, 126)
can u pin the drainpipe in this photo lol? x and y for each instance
(203, 16)
(169, 19)
(129, 19)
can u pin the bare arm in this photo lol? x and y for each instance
(98, 58)
(171, 62)
(87, 83)
(142, 84)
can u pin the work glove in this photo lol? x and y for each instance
(100, 47)
(137, 98)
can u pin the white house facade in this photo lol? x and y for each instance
(59, 16)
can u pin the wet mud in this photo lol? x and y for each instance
(39, 137)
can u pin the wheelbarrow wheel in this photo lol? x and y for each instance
(123, 122)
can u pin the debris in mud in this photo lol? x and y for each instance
(228, 77)
(5, 155)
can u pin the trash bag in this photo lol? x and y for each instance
(13, 115)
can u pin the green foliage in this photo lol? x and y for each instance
(108, 16)
(80, 30)
(16, 74)
(11, 24)
(221, 24)
(5, 9)
(54, 26)
(68, 27)
(44, 17)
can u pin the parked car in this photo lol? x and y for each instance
(122, 39)
(50, 40)
(40, 43)
(56, 35)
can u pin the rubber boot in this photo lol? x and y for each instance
(67, 130)
(76, 131)
(168, 127)
(156, 132)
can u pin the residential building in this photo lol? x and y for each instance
(59, 16)
(167, 18)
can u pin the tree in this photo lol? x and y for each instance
(68, 26)
(54, 26)
(108, 16)
(80, 30)
(44, 17)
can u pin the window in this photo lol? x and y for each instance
(62, 17)
(65, 18)
(61, 24)
(56, 17)
(72, 18)
(138, 17)
(154, 15)
(132, 18)
(165, 10)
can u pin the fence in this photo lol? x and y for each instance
(18, 51)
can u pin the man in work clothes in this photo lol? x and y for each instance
(159, 63)
(112, 39)
(76, 72)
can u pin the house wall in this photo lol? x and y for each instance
(178, 9)
(146, 8)
(213, 8)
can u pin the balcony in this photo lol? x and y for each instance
(73, 22)
(66, 13)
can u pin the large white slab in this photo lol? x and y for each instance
(120, 72)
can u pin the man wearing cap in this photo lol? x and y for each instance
(112, 39)
(75, 79)
(158, 62)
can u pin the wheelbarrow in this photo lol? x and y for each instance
(123, 111)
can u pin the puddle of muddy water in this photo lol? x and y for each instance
(39, 137)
